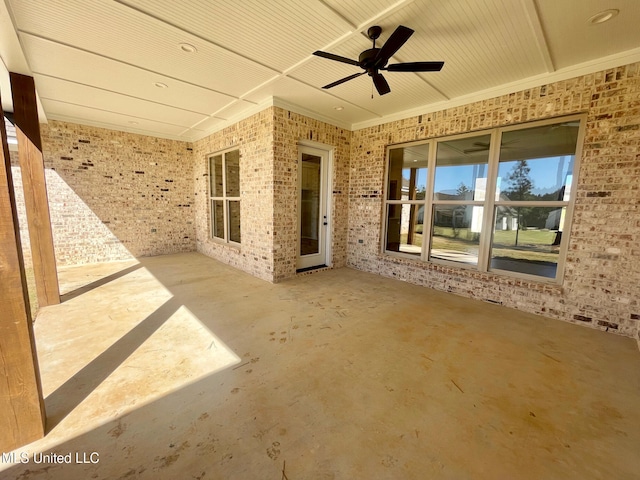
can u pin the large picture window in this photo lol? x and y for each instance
(224, 196)
(495, 201)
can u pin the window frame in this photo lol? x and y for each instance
(224, 198)
(489, 204)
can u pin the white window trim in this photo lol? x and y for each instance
(489, 204)
(224, 198)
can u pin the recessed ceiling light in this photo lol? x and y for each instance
(161, 85)
(187, 47)
(603, 16)
(338, 108)
(133, 122)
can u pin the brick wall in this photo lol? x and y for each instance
(16, 175)
(268, 144)
(254, 139)
(601, 286)
(289, 128)
(115, 195)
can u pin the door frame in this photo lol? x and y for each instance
(326, 188)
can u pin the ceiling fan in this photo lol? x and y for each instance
(484, 146)
(375, 59)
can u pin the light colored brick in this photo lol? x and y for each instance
(100, 205)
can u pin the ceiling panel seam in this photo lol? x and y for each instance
(338, 14)
(117, 93)
(217, 112)
(360, 29)
(342, 100)
(533, 16)
(357, 30)
(106, 57)
(440, 92)
(176, 27)
(112, 111)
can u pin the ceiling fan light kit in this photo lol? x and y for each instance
(375, 59)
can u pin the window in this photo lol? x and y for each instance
(495, 201)
(224, 195)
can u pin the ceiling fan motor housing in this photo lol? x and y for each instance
(367, 59)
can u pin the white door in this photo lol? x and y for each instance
(313, 225)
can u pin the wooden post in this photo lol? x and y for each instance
(22, 416)
(35, 190)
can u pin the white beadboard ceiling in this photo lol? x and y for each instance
(98, 62)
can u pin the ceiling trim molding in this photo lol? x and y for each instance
(272, 102)
(541, 39)
(612, 61)
(232, 120)
(278, 102)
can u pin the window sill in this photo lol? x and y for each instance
(231, 245)
(498, 276)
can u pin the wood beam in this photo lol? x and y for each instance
(25, 115)
(22, 415)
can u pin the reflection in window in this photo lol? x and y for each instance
(456, 233)
(406, 188)
(215, 174)
(536, 167)
(405, 223)
(527, 239)
(495, 207)
(232, 173)
(234, 221)
(217, 218)
(461, 169)
(408, 173)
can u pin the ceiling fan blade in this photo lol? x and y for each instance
(392, 45)
(473, 150)
(415, 67)
(381, 84)
(345, 79)
(337, 58)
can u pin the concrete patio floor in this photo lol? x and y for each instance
(180, 367)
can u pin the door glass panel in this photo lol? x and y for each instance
(456, 233)
(461, 169)
(310, 205)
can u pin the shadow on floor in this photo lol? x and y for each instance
(70, 394)
(98, 283)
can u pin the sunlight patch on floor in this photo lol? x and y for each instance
(123, 352)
